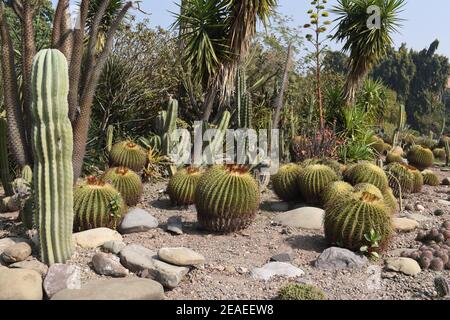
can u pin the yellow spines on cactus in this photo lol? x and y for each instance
(366, 172)
(128, 154)
(333, 164)
(285, 182)
(97, 204)
(348, 220)
(420, 157)
(439, 153)
(430, 178)
(370, 189)
(394, 157)
(337, 189)
(391, 200)
(227, 199)
(182, 186)
(377, 144)
(27, 174)
(418, 180)
(313, 181)
(127, 182)
(401, 179)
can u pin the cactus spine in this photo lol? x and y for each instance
(4, 163)
(53, 148)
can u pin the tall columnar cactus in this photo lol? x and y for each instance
(53, 148)
(182, 186)
(109, 138)
(366, 172)
(447, 151)
(420, 157)
(243, 101)
(400, 126)
(285, 182)
(5, 176)
(313, 181)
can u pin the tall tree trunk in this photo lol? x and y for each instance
(279, 101)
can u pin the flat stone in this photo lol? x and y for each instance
(60, 277)
(20, 284)
(35, 265)
(115, 289)
(406, 266)
(113, 246)
(418, 217)
(303, 218)
(339, 258)
(444, 202)
(175, 225)
(279, 206)
(94, 238)
(168, 275)
(137, 220)
(282, 257)
(108, 265)
(16, 253)
(181, 256)
(399, 252)
(9, 242)
(136, 258)
(274, 269)
(405, 224)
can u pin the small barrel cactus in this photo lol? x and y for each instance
(285, 182)
(349, 220)
(333, 164)
(182, 186)
(366, 172)
(337, 189)
(394, 157)
(128, 154)
(370, 189)
(401, 179)
(299, 291)
(97, 204)
(127, 182)
(313, 181)
(430, 178)
(377, 144)
(418, 180)
(439, 153)
(227, 199)
(391, 200)
(420, 157)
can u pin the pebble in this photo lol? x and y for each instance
(181, 256)
(339, 258)
(175, 225)
(273, 269)
(16, 253)
(113, 246)
(108, 265)
(137, 220)
(94, 238)
(60, 277)
(304, 218)
(404, 224)
(406, 266)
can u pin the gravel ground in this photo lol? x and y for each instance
(231, 257)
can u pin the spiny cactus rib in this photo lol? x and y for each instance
(391, 200)
(377, 144)
(5, 176)
(182, 186)
(349, 219)
(128, 154)
(109, 138)
(27, 174)
(370, 189)
(227, 199)
(313, 181)
(97, 204)
(53, 148)
(333, 164)
(420, 157)
(394, 157)
(418, 181)
(127, 182)
(430, 178)
(285, 182)
(400, 176)
(366, 172)
(336, 190)
(439, 153)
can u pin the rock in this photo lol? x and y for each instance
(8, 242)
(115, 289)
(20, 284)
(108, 265)
(60, 277)
(444, 202)
(16, 253)
(11, 204)
(419, 207)
(405, 224)
(273, 269)
(94, 238)
(136, 258)
(113, 246)
(137, 220)
(401, 252)
(175, 225)
(181, 256)
(409, 207)
(407, 266)
(168, 275)
(418, 217)
(304, 218)
(242, 270)
(339, 258)
(279, 206)
(282, 257)
(34, 265)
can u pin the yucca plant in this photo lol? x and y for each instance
(182, 186)
(128, 154)
(127, 182)
(285, 182)
(227, 199)
(97, 204)
(313, 180)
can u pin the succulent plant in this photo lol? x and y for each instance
(227, 199)
(377, 144)
(401, 179)
(337, 167)
(370, 189)
(366, 172)
(337, 189)
(313, 181)
(97, 204)
(394, 157)
(420, 157)
(127, 182)
(442, 285)
(391, 200)
(27, 174)
(182, 186)
(349, 220)
(299, 291)
(285, 182)
(418, 181)
(430, 178)
(5, 176)
(128, 154)
(439, 153)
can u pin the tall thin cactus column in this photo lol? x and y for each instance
(53, 148)
(5, 176)
(243, 101)
(400, 126)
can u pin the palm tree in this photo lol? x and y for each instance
(215, 37)
(366, 46)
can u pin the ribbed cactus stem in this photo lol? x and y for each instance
(53, 148)
(109, 138)
(27, 174)
(5, 176)
(400, 125)
(447, 152)
(216, 145)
